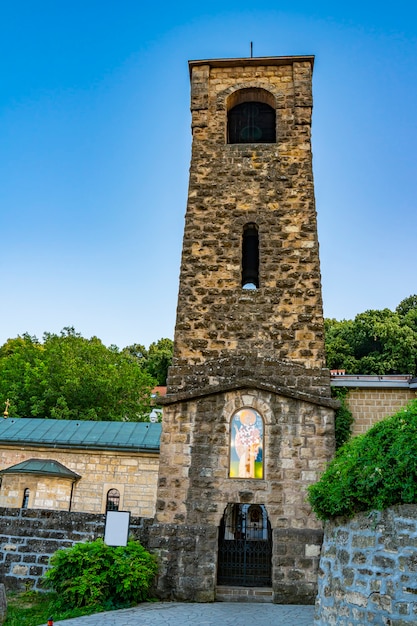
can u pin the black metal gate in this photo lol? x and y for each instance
(245, 547)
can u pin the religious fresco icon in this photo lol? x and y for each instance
(246, 444)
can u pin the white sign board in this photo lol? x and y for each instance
(116, 532)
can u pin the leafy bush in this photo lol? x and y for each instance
(371, 471)
(94, 574)
(343, 417)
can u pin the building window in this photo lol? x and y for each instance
(25, 502)
(113, 500)
(250, 257)
(246, 444)
(251, 122)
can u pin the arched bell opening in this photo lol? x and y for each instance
(245, 547)
(251, 116)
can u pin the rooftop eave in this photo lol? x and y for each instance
(73, 479)
(151, 449)
(248, 383)
(373, 382)
(256, 61)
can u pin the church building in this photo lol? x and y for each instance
(220, 486)
(248, 416)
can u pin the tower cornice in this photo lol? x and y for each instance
(248, 383)
(252, 61)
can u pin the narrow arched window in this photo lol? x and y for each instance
(25, 501)
(250, 257)
(246, 444)
(251, 122)
(113, 500)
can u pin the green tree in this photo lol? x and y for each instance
(407, 305)
(376, 342)
(22, 374)
(159, 359)
(156, 360)
(70, 377)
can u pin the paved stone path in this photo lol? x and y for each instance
(211, 614)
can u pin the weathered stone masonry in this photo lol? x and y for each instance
(368, 570)
(234, 348)
(28, 538)
(268, 184)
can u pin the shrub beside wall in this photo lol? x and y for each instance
(29, 537)
(371, 471)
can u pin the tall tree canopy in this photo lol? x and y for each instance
(375, 342)
(69, 377)
(156, 360)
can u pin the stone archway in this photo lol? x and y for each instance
(245, 547)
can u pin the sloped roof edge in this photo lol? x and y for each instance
(123, 436)
(245, 383)
(42, 467)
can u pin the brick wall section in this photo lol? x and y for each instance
(134, 475)
(369, 406)
(29, 537)
(368, 569)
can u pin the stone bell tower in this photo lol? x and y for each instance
(248, 418)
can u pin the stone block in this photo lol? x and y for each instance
(312, 550)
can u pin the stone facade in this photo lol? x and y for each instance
(368, 570)
(133, 475)
(269, 184)
(259, 349)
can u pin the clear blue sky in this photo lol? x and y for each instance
(95, 146)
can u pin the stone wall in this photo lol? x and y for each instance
(311, 384)
(268, 184)
(369, 406)
(44, 492)
(368, 570)
(260, 348)
(29, 537)
(134, 475)
(195, 487)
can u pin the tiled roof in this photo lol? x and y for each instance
(43, 467)
(129, 436)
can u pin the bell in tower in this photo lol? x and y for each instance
(248, 416)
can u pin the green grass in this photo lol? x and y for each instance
(31, 608)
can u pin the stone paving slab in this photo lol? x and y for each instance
(210, 614)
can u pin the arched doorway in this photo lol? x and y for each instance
(245, 547)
